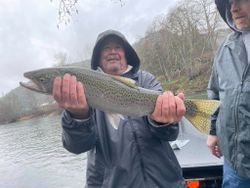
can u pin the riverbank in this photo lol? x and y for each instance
(49, 110)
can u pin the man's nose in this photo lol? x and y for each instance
(113, 49)
(234, 6)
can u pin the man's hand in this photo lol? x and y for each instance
(169, 108)
(212, 143)
(69, 94)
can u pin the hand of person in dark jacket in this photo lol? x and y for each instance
(212, 143)
(69, 94)
(169, 108)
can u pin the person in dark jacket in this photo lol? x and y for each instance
(230, 83)
(123, 151)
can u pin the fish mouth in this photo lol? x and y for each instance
(31, 85)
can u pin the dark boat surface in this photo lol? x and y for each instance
(199, 165)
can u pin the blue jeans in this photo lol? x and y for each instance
(232, 180)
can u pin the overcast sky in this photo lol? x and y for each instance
(30, 38)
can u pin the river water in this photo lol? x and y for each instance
(32, 156)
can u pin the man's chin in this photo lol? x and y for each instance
(243, 26)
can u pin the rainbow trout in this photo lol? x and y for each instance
(118, 94)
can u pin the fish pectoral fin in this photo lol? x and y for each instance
(127, 81)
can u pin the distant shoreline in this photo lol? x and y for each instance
(50, 112)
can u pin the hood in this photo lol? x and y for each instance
(224, 10)
(131, 55)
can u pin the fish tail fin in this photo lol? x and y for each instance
(199, 111)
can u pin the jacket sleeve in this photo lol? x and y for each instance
(163, 131)
(213, 93)
(77, 136)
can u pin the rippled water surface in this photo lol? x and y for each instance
(32, 156)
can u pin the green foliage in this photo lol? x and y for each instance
(191, 88)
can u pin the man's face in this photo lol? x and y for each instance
(240, 10)
(112, 57)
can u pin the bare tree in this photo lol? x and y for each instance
(67, 7)
(181, 41)
(209, 21)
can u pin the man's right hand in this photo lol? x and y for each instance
(69, 94)
(212, 143)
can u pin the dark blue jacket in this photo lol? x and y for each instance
(136, 155)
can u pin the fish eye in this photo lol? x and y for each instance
(41, 79)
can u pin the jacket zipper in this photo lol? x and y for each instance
(237, 117)
(139, 151)
(236, 127)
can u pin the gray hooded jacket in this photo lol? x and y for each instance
(136, 154)
(230, 83)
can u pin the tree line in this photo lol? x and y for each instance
(21, 103)
(183, 41)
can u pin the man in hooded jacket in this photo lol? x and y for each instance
(230, 83)
(123, 151)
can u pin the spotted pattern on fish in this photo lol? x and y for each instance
(114, 94)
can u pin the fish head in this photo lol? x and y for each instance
(41, 80)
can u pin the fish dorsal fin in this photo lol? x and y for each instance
(127, 81)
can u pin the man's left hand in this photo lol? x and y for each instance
(169, 109)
